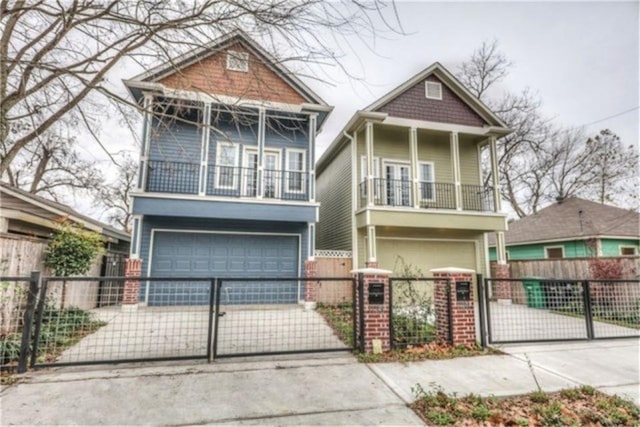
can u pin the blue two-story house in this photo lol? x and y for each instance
(227, 182)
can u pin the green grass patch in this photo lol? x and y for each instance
(569, 407)
(340, 318)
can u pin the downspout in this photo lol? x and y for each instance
(354, 200)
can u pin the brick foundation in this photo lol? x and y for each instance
(310, 287)
(462, 318)
(376, 316)
(131, 292)
(502, 290)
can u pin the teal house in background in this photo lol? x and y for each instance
(572, 228)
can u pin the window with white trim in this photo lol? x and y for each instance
(227, 159)
(237, 61)
(554, 252)
(433, 90)
(427, 181)
(296, 167)
(628, 250)
(363, 176)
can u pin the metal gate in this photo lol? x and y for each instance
(544, 310)
(77, 322)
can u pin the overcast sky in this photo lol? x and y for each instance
(582, 58)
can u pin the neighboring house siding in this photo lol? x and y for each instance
(413, 104)
(9, 202)
(212, 76)
(611, 247)
(334, 195)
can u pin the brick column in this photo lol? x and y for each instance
(371, 264)
(461, 320)
(374, 326)
(502, 289)
(131, 292)
(310, 287)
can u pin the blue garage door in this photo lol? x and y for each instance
(223, 255)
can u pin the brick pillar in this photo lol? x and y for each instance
(131, 293)
(461, 320)
(310, 287)
(502, 289)
(371, 264)
(376, 322)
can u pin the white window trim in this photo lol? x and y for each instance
(289, 151)
(235, 165)
(363, 175)
(426, 90)
(432, 182)
(621, 247)
(546, 255)
(277, 170)
(239, 56)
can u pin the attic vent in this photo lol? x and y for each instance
(433, 90)
(237, 61)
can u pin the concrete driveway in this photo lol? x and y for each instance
(311, 390)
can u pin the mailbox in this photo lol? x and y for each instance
(463, 291)
(376, 293)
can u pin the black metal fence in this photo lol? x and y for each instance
(412, 311)
(59, 321)
(538, 310)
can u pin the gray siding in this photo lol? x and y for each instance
(334, 195)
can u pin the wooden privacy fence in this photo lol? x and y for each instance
(572, 268)
(334, 264)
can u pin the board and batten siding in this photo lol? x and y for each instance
(334, 194)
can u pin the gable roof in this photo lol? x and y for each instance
(174, 65)
(59, 210)
(451, 82)
(573, 218)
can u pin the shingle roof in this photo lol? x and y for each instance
(573, 218)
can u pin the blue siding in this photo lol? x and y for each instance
(202, 224)
(223, 209)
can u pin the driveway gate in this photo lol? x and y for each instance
(539, 310)
(78, 322)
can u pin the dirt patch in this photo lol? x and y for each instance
(431, 351)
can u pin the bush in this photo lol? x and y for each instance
(9, 348)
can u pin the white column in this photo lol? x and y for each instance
(371, 243)
(147, 105)
(368, 135)
(455, 166)
(262, 118)
(313, 120)
(501, 252)
(4, 225)
(495, 174)
(413, 149)
(136, 236)
(311, 230)
(204, 149)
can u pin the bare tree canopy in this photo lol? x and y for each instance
(539, 161)
(55, 57)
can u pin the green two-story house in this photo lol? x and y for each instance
(402, 182)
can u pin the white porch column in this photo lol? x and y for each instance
(204, 149)
(368, 135)
(311, 158)
(371, 243)
(495, 174)
(147, 105)
(455, 167)
(501, 252)
(413, 149)
(311, 230)
(262, 119)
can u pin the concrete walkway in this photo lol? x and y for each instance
(329, 390)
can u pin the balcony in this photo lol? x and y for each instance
(431, 195)
(226, 181)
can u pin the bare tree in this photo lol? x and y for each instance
(115, 196)
(55, 57)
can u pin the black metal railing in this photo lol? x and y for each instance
(434, 195)
(227, 181)
(172, 177)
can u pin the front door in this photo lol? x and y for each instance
(398, 184)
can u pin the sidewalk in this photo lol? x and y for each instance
(329, 390)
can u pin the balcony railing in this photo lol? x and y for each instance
(434, 195)
(227, 181)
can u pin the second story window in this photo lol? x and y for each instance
(295, 171)
(427, 182)
(363, 176)
(554, 252)
(226, 165)
(237, 61)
